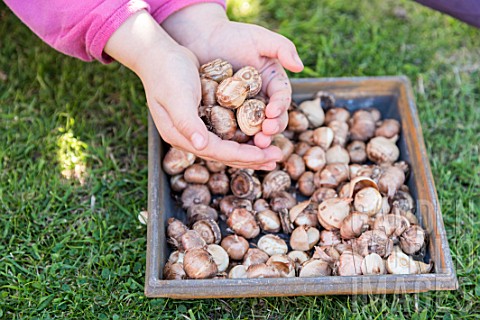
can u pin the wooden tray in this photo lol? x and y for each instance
(393, 97)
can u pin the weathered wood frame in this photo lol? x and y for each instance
(393, 96)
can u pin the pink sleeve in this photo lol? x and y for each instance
(161, 9)
(76, 28)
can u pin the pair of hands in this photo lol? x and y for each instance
(169, 71)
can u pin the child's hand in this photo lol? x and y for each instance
(205, 29)
(169, 73)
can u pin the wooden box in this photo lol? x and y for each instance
(393, 97)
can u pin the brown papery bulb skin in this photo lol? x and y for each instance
(403, 199)
(201, 212)
(305, 136)
(315, 158)
(262, 271)
(285, 145)
(314, 112)
(388, 128)
(354, 225)
(196, 194)
(176, 161)
(229, 203)
(368, 200)
(282, 200)
(391, 224)
(301, 148)
(382, 150)
(250, 116)
(219, 183)
(238, 272)
(192, 239)
(328, 254)
(219, 255)
(340, 131)
(376, 114)
(245, 185)
(240, 137)
(323, 137)
(252, 77)
(284, 264)
(412, 239)
(332, 175)
(322, 194)
(199, 264)
(236, 246)
(232, 92)
(297, 121)
(260, 205)
(216, 70)
(305, 184)
(254, 256)
(373, 241)
(329, 238)
(215, 166)
(400, 263)
(243, 223)
(222, 122)
(304, 238)
(332, 212)
(209, 89)
(275, 181)
(208, 230)
(391, 179)
(178, 183)
(295, 166)
(344, 190)
(196, 173)
(298, 257)
(174, 271)
(337, 114)
(350, 264)
(362, 126)
(337, 154)
(373, 264)
(272, 244)
(175, 230)
(289, 134)
(315, 268)
(269, 221)
(357, 151)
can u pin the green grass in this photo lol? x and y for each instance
(73, 248)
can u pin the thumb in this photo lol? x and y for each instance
(184, 114)
(275, 46)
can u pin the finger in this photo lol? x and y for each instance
(278, 88)
(183, 111)
(276, 46)
(276, 125)
(262, 140)
(228, 152)
(267, 167)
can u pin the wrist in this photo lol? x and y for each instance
(137, 41)
(194, 26)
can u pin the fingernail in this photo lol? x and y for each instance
(297, 59)
(198, 140)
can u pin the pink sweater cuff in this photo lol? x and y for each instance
(161, 10)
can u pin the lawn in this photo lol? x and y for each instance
(73, 163)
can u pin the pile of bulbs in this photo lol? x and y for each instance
(230, 106)
(335, 205)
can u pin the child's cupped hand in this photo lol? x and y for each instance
(173, 95)
(205, 30)
(169, 73)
